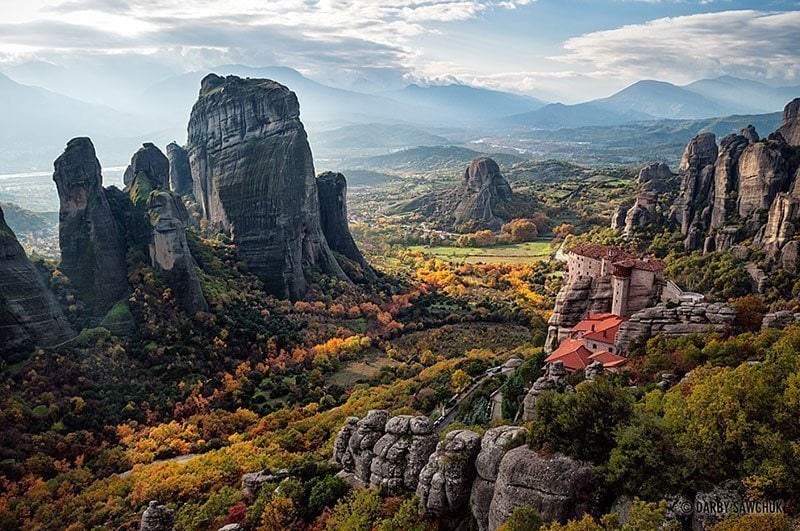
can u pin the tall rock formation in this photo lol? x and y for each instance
(151, 162)
(29, 312)
(481, 196)
(483, 200)
(254, 177)
(692, 208)
(790, 126)
(180, 173)
(332, 191)
(169, 251)
(92, 243)
(653, 181)
(748, 191)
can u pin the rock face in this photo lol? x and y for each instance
(580, 296)
(483, 200)
(726, 176)
(748, 191)
(790, 126)
(157, 518)
(29, 312)
(780, 320)
(361, 444)
(254, 177)
(553, 379)
(169, 251)
(150, 161)
(92, 244)
(332, 191)
(402, 452)
(558, 487)
(384, 451)
(494, 445)
(480, 194)
(763, 172)
(653, 182)
(180, 173)
(675, 321)
(697, 175)
(445, 482)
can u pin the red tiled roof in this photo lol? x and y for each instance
(573, 353)
(599, 327)
(608, 359)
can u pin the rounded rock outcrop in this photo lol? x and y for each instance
(494, 445)
(445, 482)
(402, 452)
(558, 487)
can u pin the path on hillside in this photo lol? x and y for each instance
(177, 459)
(445, 420)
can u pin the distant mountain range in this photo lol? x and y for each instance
(37, 122)
(652, 100)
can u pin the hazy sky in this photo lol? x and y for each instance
(566, 50)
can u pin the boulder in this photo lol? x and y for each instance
(558, 487)
(180, 172)
(402, 452)
(157, 517)
(332, 191)
(254, 178)
(494, 445)
(445, 482)
(92, 242)
(150, 163)
(29, 312)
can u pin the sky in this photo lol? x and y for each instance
(558, 50)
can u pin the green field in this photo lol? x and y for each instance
(515, 253)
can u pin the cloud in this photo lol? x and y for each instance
(746, 43)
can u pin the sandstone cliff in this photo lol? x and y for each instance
(744, 190)
(790, 126)
(92, 242)
(254, 177)
(332, 191)
(675, 320)
(29, 312)
(180, 173)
